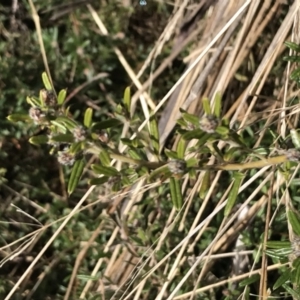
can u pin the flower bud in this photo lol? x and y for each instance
(177, 166)
(48, 97)
(66, 158)
(36, 114)
(79, 133)
(209, 123)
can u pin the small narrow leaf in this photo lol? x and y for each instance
(249, 280)
(295, 138)
(98, 181)
(159, 172)
(19, 118)
(238, 177)
(282, 279)
(154, 135)
(171, 154)
(206, 106)
(61, 97)
(46, 81)
(127, 99)
(195, 134)
(191, 119)
(294, 221)
(88, 117)
(181, 148)
(204, 185)
(66, 122)
(218, 105)
(107, 171)
(293, 46)
(38, 140)
(175, 191)
(278, 244)
(62, 138)
(33, 101)
(76, 173)
(222, 130)
(292, 292)
(104, 158)
(106, 124)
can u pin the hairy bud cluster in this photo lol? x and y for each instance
(209, 123)
(177, 166)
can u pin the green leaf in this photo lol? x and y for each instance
(61, 97)
(46, 81)
(295, 138)
(293, 46)
(191, 119)
(238, 177)
(62, 138)
(218, 105)
(292, 58)
(195, 134)
(76, 173)
(294, 221)
(154, 135)
(38, 140)
(162, 171)
(292, 292)
(175, 191)
(88, 117)
(204, 185)
(98, 181)
(284, 277)
(171, 154)
(33, 101)
(104, 158)
(134, 154)
(222, 130)
(278, 244)
(19, 118)
(249, 280)
(107, 171)
(127, 99)
(192, 162)
(106, 124)
(65, 121)
(181, 148)
(206, 106)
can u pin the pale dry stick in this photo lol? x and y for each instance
(254, 32)
(211, 245)
(37, 24)
(227, 281)
(99, 263)
(174, 268)
(195, 89)
(145, 96)
(106, 249)
(264, 263)
(47, 270)
(189, 201)
(19, 250)
(224, 75)
(56, 233)
(280, 177)
(207, 265)
(80, 257)
(260, 86)
(243, 187)
(276, 42)
(177, 247)
(25, 199)
(214, 40)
